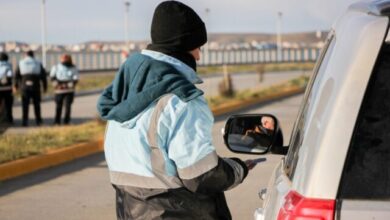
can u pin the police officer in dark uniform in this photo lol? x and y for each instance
(6, 96)
(28, 77)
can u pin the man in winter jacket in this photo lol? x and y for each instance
(64, 77)
(28, 77)
(158, 142)
(6, 96)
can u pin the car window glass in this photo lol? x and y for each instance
(366, 172)
(310, 96)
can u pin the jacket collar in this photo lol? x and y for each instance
(183, 68)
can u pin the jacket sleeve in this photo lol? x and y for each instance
(75, 76)
(190, 147)
(229, 173)
(9, 75)
(53, 73)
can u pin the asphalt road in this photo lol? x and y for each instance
(80, 190)
(84, 107)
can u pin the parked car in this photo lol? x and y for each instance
(338, 160)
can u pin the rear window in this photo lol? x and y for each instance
(366, 172)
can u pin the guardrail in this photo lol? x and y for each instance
(95, 61)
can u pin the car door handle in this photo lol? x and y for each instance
(262, 193)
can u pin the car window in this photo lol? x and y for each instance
(310, 94)
(366, 172)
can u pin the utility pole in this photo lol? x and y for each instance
(279, 36)
(127, 9)
(43, 31)
(206, 46)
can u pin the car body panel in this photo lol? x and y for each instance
(365, 209)
(278, 187)
(335, 108)
(337, 94)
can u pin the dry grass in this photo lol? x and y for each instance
(272, 67)
(16, 146)
(93, 82)
(299, 82)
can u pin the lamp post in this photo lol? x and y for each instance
(43, 31)
(279, 36)
(127, 9)
(206, 46)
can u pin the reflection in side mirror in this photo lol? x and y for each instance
(253, 134)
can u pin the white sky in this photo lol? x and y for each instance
(74, 21)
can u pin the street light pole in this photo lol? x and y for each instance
(206, 46)
(43, 33)
(279, 36)
(127, 9)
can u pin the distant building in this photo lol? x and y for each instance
(217, 41)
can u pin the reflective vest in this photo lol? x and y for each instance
(5, 76)
(64, 78)
(29, 66)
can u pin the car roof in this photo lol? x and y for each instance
(378, 7)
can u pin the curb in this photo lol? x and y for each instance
(52, 158)
(56, 157)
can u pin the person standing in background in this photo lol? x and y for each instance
(6, 96)
(64, 77)
(28, 77)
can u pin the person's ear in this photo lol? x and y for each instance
(195, 53)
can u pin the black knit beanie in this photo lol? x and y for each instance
(176, 30)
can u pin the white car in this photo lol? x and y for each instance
(338, 160)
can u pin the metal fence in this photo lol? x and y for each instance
(95, 61)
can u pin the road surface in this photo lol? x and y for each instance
(80, 190)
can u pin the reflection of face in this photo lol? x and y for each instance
(268, 123)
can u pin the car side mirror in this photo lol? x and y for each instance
(254, 134)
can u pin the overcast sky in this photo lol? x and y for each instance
(74, 21)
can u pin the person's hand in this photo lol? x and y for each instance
(250, 164)
(242, 164)
(247, 132)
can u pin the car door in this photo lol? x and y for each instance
(364, 191)
(280, 183)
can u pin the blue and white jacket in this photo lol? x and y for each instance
(5, 76)
(64, 78)
(168, 145)
(29, 75)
